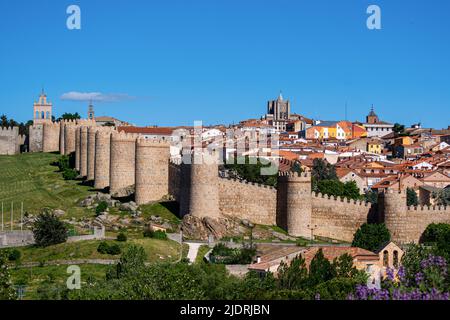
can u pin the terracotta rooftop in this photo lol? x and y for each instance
(148, 130)
(332, 252)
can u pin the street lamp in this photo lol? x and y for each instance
(312, 228)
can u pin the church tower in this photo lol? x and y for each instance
(42, 110)
(91, 114)
(372, 117)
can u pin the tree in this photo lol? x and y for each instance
(322, 170)
(251, 172)
(339, 189)
(293, 276)
(49, 230)
(6, 288)
(371, 236)
(320, 269)
(69, 116)
(443, 197)
(411, 197)
(399, 128)
(343, 266)
(131, 262)
(296, 167)
(438, 234)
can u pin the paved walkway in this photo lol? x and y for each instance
(193, 250)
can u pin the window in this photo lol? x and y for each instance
(395, 258)
(48, 115)
(37, 115)
(42, 115)
(385, 258)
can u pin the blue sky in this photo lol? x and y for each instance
(221, 60)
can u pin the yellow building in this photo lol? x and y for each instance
(375, 146)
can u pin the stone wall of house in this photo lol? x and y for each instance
(245, 200)
(50, 140)
(152, 170)
(123, 158)
(9, 141)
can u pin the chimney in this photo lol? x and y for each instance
(258, 259)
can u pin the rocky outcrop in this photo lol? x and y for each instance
(197, 228)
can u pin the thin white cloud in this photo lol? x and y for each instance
(95, 96)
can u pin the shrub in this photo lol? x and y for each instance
(49, 230)
(224, 255)
(14, 255)
(70, 174)
(114, 250)
(103, 247)
(63, 163)
(122, 237)
(102, 206)
(371, 236)
(161, 235)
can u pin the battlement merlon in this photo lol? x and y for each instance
(152, 143)
(9, 130)
(124, 137)
(290, 176)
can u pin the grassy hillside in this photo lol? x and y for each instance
(30, 178)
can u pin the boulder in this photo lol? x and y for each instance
(59, 212)
(128, 206)
(88, 202)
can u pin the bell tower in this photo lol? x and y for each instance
(91, 113)
(42, 110)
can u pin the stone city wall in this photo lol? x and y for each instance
(245, 200)
(36, 134)
(407, 224)
(337, 218)
(9, 141)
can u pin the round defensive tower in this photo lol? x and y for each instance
(50, 139)
(393, 205)
(91, 152)
(69, 137)
(152, 170)
(77, 148)
(203, 186)
(297, 202)
(83, 150)
(123, 158)
(102, 157)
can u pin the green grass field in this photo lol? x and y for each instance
(157, 250)
(29, 178)
(33, 278)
